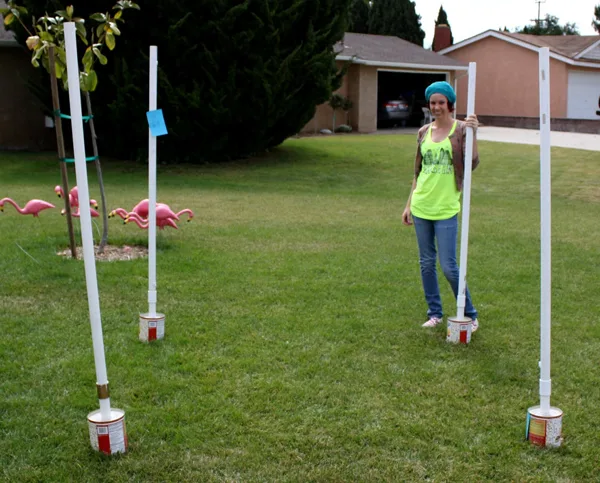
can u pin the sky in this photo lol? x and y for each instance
(471, 17)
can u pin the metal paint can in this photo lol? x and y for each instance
(109, 437)
(459, 331)
(152, 327)
(544, 429)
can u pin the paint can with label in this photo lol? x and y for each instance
(109, 437)
(544, 429)
(152, 327)
(459, 331)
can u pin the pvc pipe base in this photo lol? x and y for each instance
(459, 330)
(544, 429)
(152, 327)
(108, 436)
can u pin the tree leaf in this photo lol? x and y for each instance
(92, 81)
(9, 19)
(110, 40)
(32, 42)
(46, 36)
(103, 60)
(98, 17)
(63, 13)
(81, 32)
(100, 29)
(58, 70)
(114, 28)
(88, 59)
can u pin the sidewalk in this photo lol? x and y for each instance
(589, 142)
(574, 140)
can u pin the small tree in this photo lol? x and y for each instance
(336, 102)
(596, 22)
(443, 20)
(48, 46)
(396, 17)
(346, 106)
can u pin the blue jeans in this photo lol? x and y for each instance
(446, 233)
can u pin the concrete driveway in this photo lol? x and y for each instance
(590, 142)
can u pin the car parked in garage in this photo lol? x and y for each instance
(396, 110)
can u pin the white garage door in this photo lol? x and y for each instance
(584, 95)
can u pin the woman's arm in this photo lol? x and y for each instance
(406, 216)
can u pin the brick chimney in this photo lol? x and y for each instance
(442, 37)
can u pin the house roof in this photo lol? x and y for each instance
(390, 51)
(567, 45)
(6, 37)
(579, 50)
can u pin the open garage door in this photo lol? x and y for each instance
(401, 97)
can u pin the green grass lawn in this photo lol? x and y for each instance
(294, 349)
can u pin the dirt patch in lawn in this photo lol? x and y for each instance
(111, 253)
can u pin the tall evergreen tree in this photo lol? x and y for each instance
(443, 20)
(235, 77)
(396, 17)
(550, 25)
(596, 22)
(359, 17)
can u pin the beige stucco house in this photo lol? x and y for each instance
(507, 92)
(379, 64)
(22, 122)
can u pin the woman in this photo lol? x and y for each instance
(434, 200)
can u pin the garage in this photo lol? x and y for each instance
(583, 99)
(401, 97)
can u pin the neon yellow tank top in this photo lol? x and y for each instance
(435, 196)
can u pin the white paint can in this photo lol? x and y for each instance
(459, 331)
(544, 429)
(152, 327)
(109, 437)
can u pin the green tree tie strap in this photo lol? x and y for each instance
(72, 160)
(66, 116)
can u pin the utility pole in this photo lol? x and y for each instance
(539, 19)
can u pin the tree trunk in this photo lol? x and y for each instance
(60, 144)
(99, 173)
(333, 130)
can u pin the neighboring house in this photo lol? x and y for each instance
(381, 68)
(507, 92)
(22, 123)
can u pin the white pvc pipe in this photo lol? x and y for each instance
(466, 209)
(152, 298)
(85, 215)
(546, 232)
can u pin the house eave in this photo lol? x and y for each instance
(585, 51)
(400, 65)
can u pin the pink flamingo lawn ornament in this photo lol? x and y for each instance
(143, 215)
(160, 223)
(33, 207)
(122, 212)
(186, 211)
(142, 209)
(73, 197)
(163, 212)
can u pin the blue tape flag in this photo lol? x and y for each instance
(156, 122)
